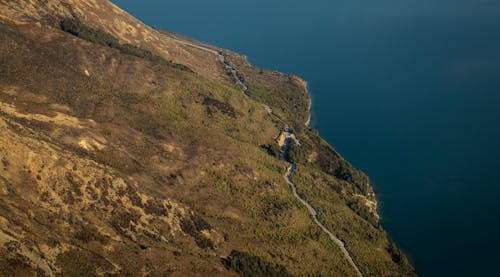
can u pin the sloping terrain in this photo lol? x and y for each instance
(127, 151)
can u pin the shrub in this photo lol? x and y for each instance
(193, 225)
(78, 29)
(249, 265)
(271, 149)
(224, 108)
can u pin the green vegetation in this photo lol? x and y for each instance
(327, 160)
(248, 265)
(221, 106)
(284, 93)
(287, 100)
(78, 29)
(341, 194)
(190, 140)
(360, 235)
(271, 149)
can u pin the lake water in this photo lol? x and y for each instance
(407, 90)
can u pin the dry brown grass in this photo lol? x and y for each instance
(119, 165)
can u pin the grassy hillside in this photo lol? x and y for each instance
(121, 160)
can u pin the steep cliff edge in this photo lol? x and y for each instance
(130, 151)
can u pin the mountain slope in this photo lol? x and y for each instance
(130, 151)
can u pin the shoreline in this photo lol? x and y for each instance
(219, 53)
(309, 108)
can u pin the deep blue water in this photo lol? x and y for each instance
(407, 90)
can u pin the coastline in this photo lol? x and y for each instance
(218, 52)
(309, 111)
(375, 203)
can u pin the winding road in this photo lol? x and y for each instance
(289, 137)
(314, 214)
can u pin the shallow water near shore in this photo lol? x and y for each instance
(407, 91)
